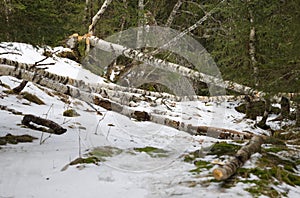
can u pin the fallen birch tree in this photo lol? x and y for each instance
(110, 105)
(242, 155)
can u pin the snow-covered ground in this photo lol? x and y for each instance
(39, 170)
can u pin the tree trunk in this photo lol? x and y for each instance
(173, 13)
(252, 50)
(262, 124)
(96, 18)
(224, 172)
(7, 10)
(191, 28)
(113, 106)
(298, 114)
(141, 24)
(285, 107)
(150, 60)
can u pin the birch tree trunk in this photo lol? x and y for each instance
(226, 171)
(191, 28)
(252, 50)
(150, 60)
(7, 10)
(110, 105)
(98, 15)
(109, 90)
(141, 24)
(173, 13)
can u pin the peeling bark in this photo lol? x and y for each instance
(226, 171)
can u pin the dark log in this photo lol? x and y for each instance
(21, 86)
(262, 124)
(298, 115)
(52, 126)
(250, 113)
(226, 171)
(285, 107)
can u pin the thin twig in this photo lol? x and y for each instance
(11, 53)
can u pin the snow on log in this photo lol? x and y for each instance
(107, 104)
(52, 126)
(113, 91)
(242, 155)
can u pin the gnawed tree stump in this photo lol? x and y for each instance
(52, 126)
(226, 171)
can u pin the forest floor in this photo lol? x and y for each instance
(109, 155)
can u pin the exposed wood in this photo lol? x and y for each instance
(52, 126)
(226, 171)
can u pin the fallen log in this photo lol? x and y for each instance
(52, 126)
(222, 133)
(226, 171)
(110, 105)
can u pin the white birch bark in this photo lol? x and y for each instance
(116, 92)
(191, 28)
(150, 60)
(141, 24)
(114, 106)
(98, 15)
(252, 50)
(173, 13)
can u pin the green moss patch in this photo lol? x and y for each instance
(32, 98)
(201, 165)
(257, 109)
(15, 139)
(103, 152)
(70, 113)
(153, 151)
(224, 148)
(88, 160)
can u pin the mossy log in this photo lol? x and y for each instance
(52, 126)
(242, 155)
